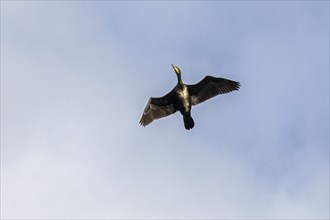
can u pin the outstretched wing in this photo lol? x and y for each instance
(209, 87)
(157, 108)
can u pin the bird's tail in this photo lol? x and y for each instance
(188, 122)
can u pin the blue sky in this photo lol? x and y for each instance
(76, 76)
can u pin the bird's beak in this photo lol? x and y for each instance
(176, 69)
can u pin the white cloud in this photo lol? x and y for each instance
(76, 77)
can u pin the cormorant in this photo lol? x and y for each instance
(183, 97)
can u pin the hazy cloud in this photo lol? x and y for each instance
(75, 77)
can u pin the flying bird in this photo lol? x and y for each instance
(183, 97)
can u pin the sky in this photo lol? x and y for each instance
(76, 76)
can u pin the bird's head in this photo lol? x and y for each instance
(176, 70)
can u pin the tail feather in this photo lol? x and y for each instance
(188, 122)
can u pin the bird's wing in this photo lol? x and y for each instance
(157, 108)
(209, 87)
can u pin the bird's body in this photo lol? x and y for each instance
(183, 104)
(183, 97)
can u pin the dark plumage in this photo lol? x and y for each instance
(183, 96)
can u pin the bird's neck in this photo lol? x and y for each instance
(179, 78)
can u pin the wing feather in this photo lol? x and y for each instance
(158, 108)
(209, 87)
